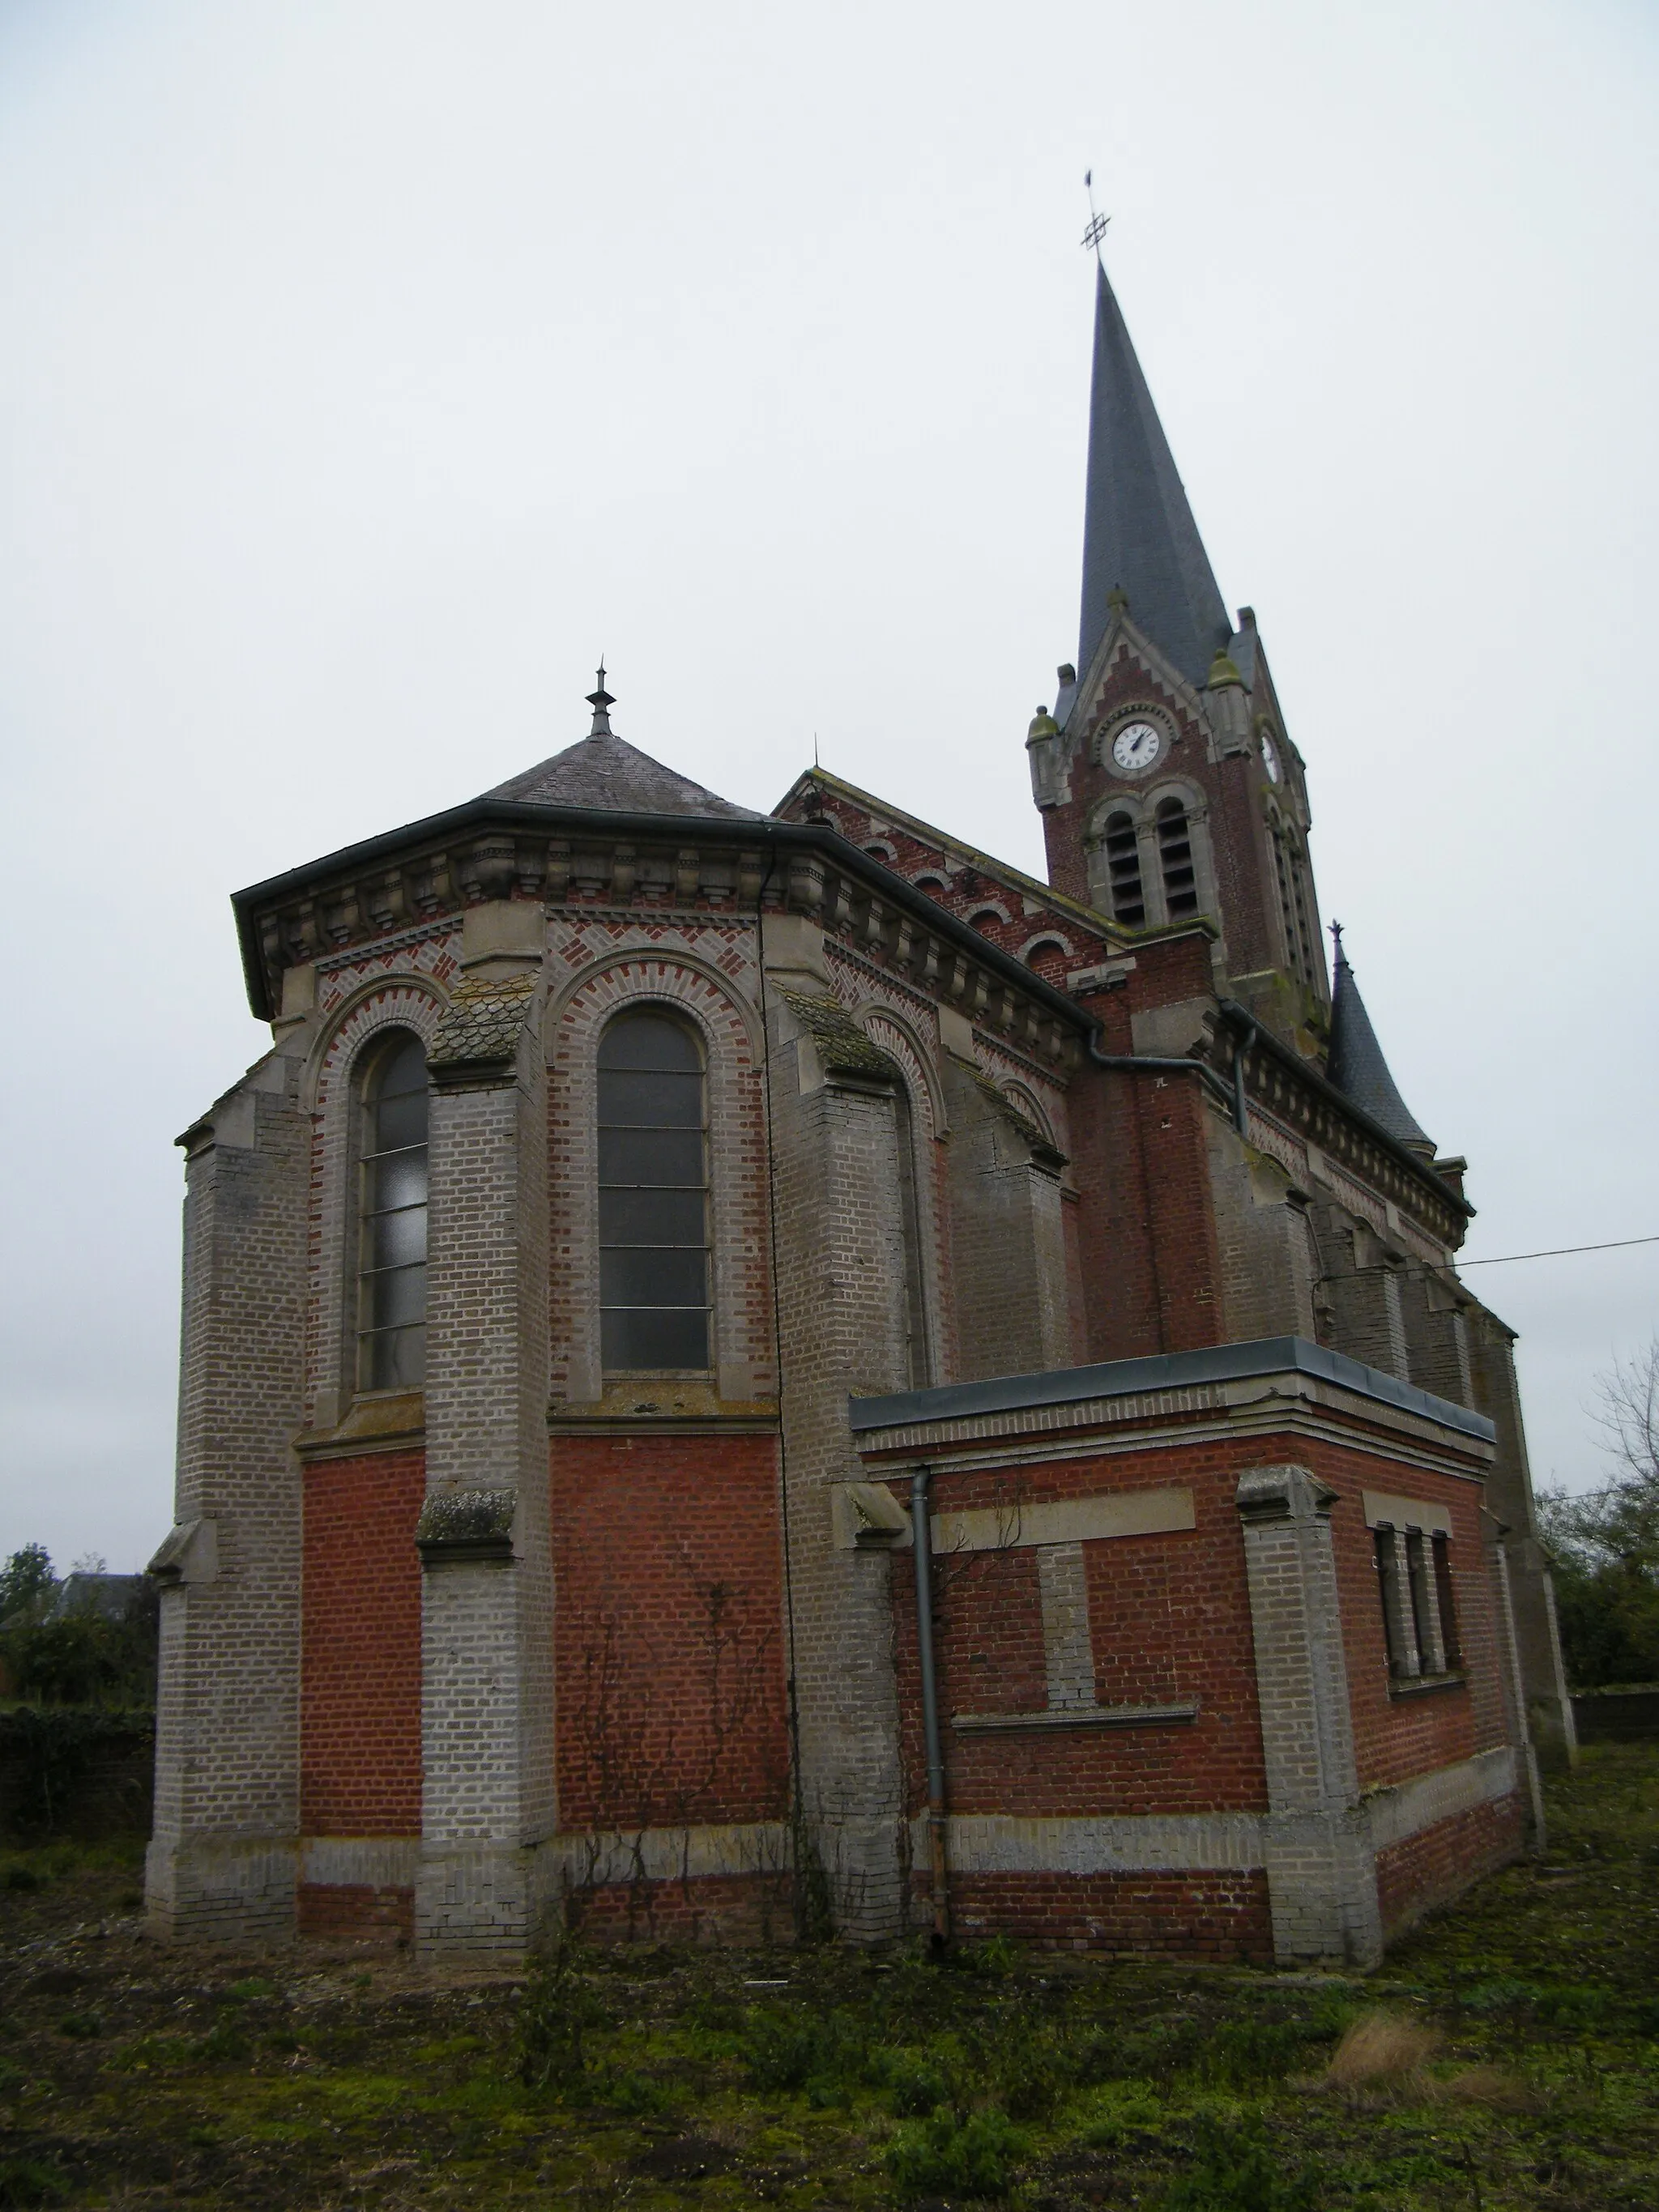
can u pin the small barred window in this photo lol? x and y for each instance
(1174, 855)
(1449, 1639)
(391, 1264)
(1123, 870)
(653, 1196)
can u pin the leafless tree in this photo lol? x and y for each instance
(1621, 1521)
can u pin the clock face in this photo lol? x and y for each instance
(1269, 758)
(1136, 746)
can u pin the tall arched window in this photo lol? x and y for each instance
(918, 1365)
(1123, 870)
(653, 1196)
(1175, 858)
(391, 1263)
(1292, 906)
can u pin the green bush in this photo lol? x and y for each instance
(915, 2087)
(826, 2055)
(1608, 1613)
(1235, 2169)
(556, 2016)
(27, 2181)
(947, 2156)
(83, 1658)
(52, 1750)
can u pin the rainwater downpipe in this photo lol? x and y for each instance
(922, 1545)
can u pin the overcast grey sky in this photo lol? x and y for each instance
(370, 367)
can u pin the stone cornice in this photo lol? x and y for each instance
(580, 858)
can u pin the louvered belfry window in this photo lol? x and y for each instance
(1174, 855)
(653, 1196)
(392, 1266)
(1123, 870)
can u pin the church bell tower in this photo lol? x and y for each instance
(1170, 787)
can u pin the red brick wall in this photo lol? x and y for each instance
(668, 1612)
(746, 1908)
(1430, 1869)
(355, 1909)
(360, 1712)
(1214, 1916)
(1237, 842)
(1398, 1736)
(1170, 1616)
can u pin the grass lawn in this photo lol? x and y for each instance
(1506, 2056)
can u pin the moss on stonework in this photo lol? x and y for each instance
(466, 1516)
(482, 1021)
(843, 1047)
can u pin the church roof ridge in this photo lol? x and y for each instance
(1356, 1065)
(1088, 916)
(1138, 535)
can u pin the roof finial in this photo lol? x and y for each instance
(1097, 223)
(1336, 935)
(601, 701)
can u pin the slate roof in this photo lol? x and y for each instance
(1139, 530)
(1356, 1067)
(480, 1026)
(604, 770)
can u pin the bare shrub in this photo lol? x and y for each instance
(1384, 2054)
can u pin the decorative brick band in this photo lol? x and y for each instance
(1001, 1843)
(1428, 1799)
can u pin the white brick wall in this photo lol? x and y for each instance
(221, 1859)
(841, 1293)
(486, 1702)
(1321, 1871)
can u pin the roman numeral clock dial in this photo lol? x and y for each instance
(1135, 747)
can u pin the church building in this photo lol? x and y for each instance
(749, 1376)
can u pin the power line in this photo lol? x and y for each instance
(1561, 1251)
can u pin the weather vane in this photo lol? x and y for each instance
(1097, 222)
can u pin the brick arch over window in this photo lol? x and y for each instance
(1025, 1101)
(987, 910)
(741, 1348)
(1046, 955)
(337, 1061)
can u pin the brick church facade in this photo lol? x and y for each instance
(745, 1373)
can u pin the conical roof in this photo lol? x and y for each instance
(1139, 534)
(1356, 1067)
(604, 770)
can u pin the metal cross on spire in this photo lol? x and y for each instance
(1097, 222)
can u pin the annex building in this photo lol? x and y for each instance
(748, 1372)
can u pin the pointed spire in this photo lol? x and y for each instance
(1356, 1067)
(1139, 534)
(601, 701)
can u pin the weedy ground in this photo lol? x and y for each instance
(1507, 2055)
